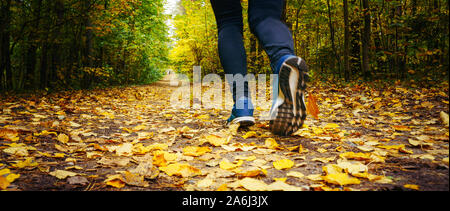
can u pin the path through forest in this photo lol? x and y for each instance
(366, 138)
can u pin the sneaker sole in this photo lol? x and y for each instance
(243, 121)
(291, 114)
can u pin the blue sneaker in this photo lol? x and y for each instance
(242, 113)
(288, 111)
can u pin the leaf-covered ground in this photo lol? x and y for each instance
(386, 138)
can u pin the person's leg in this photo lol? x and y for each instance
(288, 110)
(265, 22)
(232, 55)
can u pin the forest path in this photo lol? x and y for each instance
(387, 138)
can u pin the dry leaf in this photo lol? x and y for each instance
(444, 118)
(411, 186)
(8, 134)
(340, 179)
(63, 138)
(214, 140)
(311, 106)
(283, 164)
(249, 134)
(253, 184)
(115, 181)
(281, 185)
(183, 170)
(295, 174)
(62, 174)
(195, 151)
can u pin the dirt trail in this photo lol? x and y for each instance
(132, 139)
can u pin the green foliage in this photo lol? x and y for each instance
(81, 44)
(408, 39)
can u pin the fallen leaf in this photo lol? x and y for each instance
(28, 162)
(9, 134)
(134, 179)
(214, 140)
(253, 184)
(62, 174)
(271, 144)
(311, 106)
(295, 174)
(401, 128)
(283, 164)
(340, 179)
(195, 151)
(227, 165)
(444, 118)
(63, 138)
(323, 160)
(115, 180)
(3, 183)
(282, 186)
(183, 170)
(249, 134)
(124, 149)
(205, 183)
(411, 186)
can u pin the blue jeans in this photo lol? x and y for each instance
(264, 18)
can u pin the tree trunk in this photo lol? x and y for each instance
(346, 43)
(5, 37)
(333, 45)
(366, 40)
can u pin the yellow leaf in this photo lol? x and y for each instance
(321, 150)
(223, 187)
(283, 164)
(324, 160)
(195, 151)
(124, 149)
(9, 134)
(370, 177)
(249, 134)
(63, 138)
(332, 169)
(162, 158)
(253, 184)
(362, 156)
(226, 165)
(139, 127)
(411, 186)
(183, 170)
(281, 185)
(271, 144)
(134, 179)
(4, 171)
(331, 126)
(295, 174)
(311, 106)
(315, 177)
(115, 181)
(401, 128)
(352, 167)
(203, 117)
(62, 174)
(251, 173)
(205, 183)
(395, 147)
(44, 133)
(340, 179)
(214, 140)
(28, 162)
(11, 177)
(3, 183)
